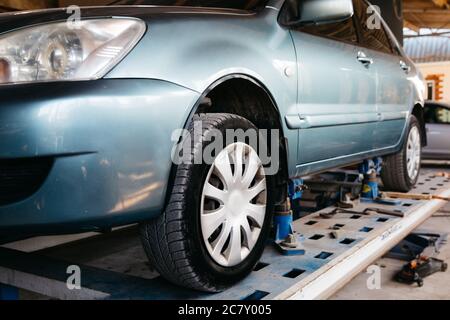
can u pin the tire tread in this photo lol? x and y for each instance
(165, 238)
(394, 173)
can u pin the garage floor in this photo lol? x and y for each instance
(435, 287)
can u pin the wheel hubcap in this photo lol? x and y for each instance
(413, 153)
(233, 204)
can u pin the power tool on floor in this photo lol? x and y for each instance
(420, 268)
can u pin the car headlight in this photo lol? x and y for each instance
(61, 51)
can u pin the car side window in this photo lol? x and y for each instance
(374, 38)
(341, 31)
(437, 115)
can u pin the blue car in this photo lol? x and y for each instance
(104, 114)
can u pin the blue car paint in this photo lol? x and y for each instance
(112, 143)
(266, 59)
(112, 137)
(199, 61)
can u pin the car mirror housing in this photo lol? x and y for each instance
(316, 12)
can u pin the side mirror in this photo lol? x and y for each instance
(315, 12)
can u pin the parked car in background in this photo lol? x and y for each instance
(437, 119)
(88, 115)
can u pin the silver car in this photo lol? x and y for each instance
(437, 119)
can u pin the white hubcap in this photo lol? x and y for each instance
(413, 153)
(233, 204)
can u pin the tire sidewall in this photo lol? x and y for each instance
(411, 182)
(205, 266)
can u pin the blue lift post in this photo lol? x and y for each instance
(8, 293)
(371, 169)
(287, 242)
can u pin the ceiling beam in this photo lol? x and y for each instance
(427, 14)
(27, 4)
(442, 3)
(411, 26)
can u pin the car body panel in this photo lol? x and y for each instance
(112, 143)
(394, 92)
(219, 56)
(393, 99)
(265, 59)
(355, 111)
(438, 142)
(332, 108)
(438, 133)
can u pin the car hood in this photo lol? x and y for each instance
(20, 19)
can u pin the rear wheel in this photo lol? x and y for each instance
(401, 171)
(217, 220)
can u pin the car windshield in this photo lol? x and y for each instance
(227, 4)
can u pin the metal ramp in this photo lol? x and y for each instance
(327, 266)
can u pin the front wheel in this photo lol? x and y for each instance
(217, 220)
(401, 171)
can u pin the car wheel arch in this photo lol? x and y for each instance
(226, 80)
(207, 103)
(418, 112)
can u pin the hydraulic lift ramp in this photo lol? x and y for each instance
(327, 265)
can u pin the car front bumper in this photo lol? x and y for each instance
(110, 142)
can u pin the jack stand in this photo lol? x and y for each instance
(286, 240)
(371, 192)
(295, 189)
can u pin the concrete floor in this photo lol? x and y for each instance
(436, 287)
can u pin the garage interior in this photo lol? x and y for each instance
(423, 26)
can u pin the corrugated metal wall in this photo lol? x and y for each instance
(428, 49)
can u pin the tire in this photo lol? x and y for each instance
(176, 242)
(396, 174)
(420, 283)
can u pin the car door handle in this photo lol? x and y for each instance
(380, 117)
(404, 66)
(364, 59)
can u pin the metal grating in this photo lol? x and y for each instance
(328, 264)
(20, 178)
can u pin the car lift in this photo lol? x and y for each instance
(320, 255)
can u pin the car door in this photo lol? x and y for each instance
(336, 95)
(437, 119)
(393, 88)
